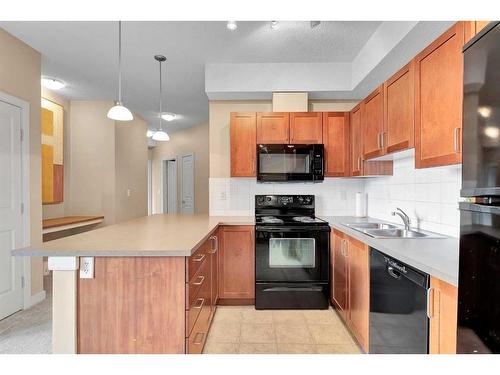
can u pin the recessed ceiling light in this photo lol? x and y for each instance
(52, 83)
(231, 25)
(492, 132)
(275, 25)
(168, 116)
(484, 111)
(149, 133)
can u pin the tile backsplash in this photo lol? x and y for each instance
(429, 196)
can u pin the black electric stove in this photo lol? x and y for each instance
(292, 250)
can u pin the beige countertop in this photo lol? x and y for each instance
(155, 235)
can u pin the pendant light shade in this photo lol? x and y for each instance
(160, 134)
(119, 112)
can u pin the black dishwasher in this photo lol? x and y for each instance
(398, 307)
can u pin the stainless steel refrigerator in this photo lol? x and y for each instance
(479, 266)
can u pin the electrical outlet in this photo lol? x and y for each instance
(86, 267)
(223, 196)
(128, 192)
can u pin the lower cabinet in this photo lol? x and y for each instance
(351, 284)
(237, 264)
(442, 310)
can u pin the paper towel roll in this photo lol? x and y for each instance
(360, 204)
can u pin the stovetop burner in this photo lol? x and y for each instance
(289, 220)
(270, 220)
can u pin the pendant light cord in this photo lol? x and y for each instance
(161, 99)
(120, 62)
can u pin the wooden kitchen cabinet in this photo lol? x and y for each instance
(399, 110)
(359, 291)
(273, 127)
(356, 140)
(306, 128)
(443, 310)
(471, 28)
(339, 271)
(438, 100)
(237, 264)
(350, 285)
(243, 144)
(336, 140)
(373, 124)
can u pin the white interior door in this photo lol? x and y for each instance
(187, 184)
(11, 294)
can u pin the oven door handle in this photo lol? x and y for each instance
(285, 229)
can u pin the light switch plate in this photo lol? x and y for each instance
(86, 267)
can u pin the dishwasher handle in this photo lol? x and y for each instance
(391, 271)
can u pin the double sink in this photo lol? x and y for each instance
(384, 230)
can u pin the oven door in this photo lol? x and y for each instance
(280, 162)
(292, 254)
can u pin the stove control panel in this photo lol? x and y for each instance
(284, 201)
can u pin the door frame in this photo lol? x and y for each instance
(28, 299)
(194, 182)
(164, 161)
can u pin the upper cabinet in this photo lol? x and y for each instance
(373, 124)
(336, 141)
(306, 127)
(399, 110)
(273, 127)
(356, 141)
(438, 100)
(243, 144)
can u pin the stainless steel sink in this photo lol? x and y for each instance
(371, 226)
(395, 233)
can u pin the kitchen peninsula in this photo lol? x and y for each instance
(153, 288)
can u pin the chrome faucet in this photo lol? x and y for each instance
(403, 216)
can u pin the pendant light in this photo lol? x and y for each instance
(118, 112)
(160, 134)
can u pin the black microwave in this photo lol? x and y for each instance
(284, 162)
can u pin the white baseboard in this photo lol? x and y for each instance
(36, 298)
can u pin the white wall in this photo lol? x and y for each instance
(429, 196)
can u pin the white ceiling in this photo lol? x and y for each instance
(84, 54)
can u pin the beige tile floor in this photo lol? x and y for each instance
(244, 330)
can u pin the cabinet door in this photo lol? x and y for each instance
(243, 144)
(336, 141)
(399, 110)
(214, 255)
(442, 309)
(306, 127)
(339, 273)
(438, 100)
(273, 127)
(356, 141)
(471, 28)
(359, 291)
(237, 263)
(373, 124)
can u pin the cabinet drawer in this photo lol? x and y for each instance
(194, 262)
(198, 298)
(197, 282)
(196, 340)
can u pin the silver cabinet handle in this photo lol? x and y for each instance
(199, 258)
(198, 339)
(199, 303)
(430, 312)
(456, 143)
(201, 279)
(215, 244)
(382, 139)
(359, 163)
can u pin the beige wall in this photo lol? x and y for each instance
(219, 118)
(107, 159)
(58, 210)
(131, 166)
(192, 140)
(20, 70)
